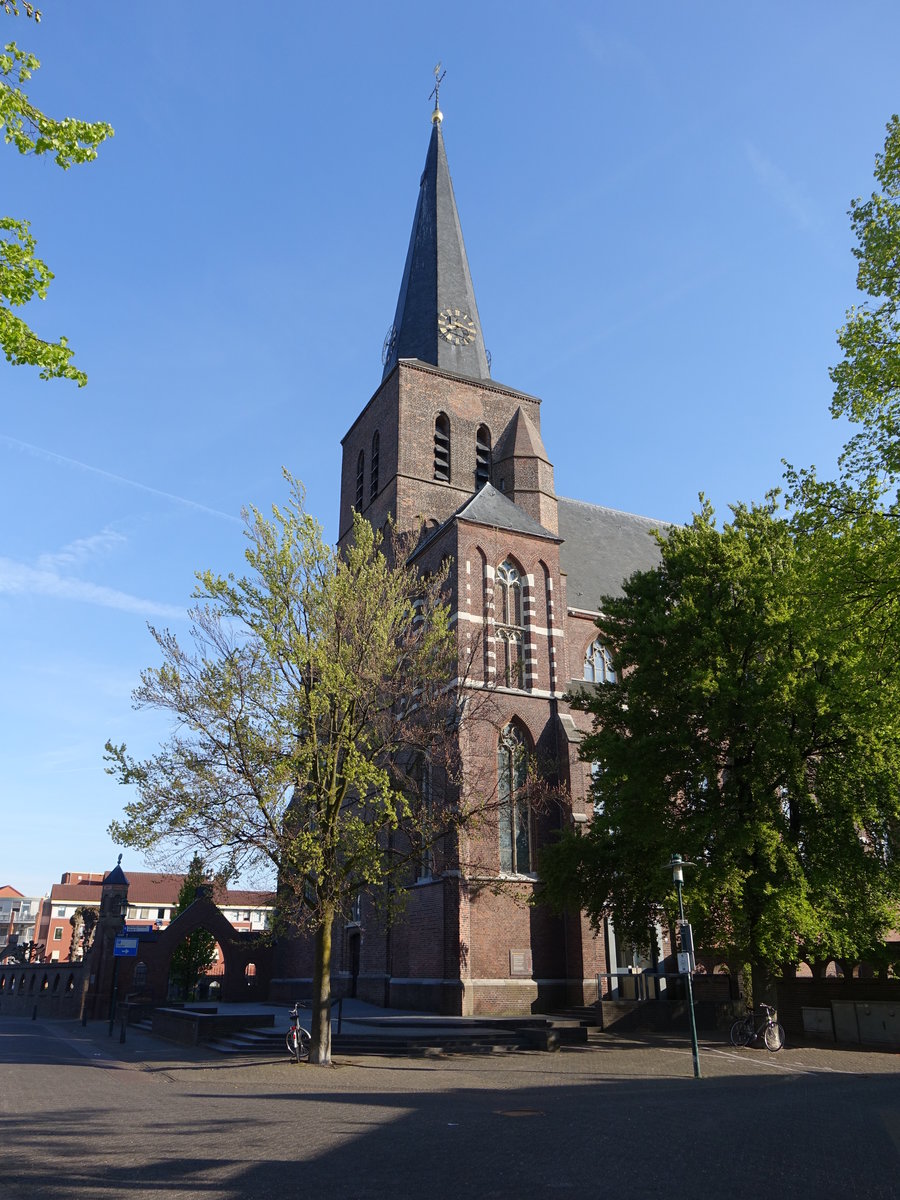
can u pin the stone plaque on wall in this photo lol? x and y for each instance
(520, 962)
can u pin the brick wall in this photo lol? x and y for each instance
(796, 994)
(404, 410)
(56, 991)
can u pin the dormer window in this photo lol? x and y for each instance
(482, 457)
(442, 448)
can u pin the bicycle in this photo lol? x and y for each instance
(297, 1038)
(746, 1029)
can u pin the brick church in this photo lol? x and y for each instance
(458, 458)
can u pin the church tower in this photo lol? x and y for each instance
(429, 437)
(458, 459)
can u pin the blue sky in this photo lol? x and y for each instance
(654, 203)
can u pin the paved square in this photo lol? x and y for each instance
(84, 1118)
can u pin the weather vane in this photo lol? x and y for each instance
(437, 116)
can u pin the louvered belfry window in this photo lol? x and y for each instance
(482, 457)
(442, 448)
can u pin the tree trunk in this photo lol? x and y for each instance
(320, 1047)
(763, 984)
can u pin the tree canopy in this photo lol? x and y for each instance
(867, 379)
(752, 729)
(23, 275)
(316, 689)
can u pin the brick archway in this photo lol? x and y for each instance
(239, 950)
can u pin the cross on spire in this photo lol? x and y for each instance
(437, 116)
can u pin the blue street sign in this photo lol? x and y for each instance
(125, 947)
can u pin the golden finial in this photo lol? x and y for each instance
(437, 116)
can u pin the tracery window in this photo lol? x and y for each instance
(509, 630)
(598, 667)
(425, 862)
(442, 447)
(482, 457)
(360, 480)
(515, 810)
(373, 468)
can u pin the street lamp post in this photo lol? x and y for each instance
(677, 865)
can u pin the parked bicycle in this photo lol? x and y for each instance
(297, 1038)
(749, 1027)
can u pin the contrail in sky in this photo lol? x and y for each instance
(51, 456)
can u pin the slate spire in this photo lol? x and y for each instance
(437, 318)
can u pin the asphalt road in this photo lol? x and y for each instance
(83, 1118)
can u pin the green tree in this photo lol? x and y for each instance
(753, 730)
(23, 275)
(867, 380)
(192, 958)
(856, 517)
(317, 686)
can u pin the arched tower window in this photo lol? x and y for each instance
(598, 666)
(442, 448)
(509, 628)
(515, 810)
(482, 457)
(373, 469)
(360, 480)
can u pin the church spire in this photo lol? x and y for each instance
(437, 319)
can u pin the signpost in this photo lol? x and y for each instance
(125, 947)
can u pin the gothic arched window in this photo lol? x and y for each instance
(482, 457)
(442, 448)
(515, 810)
(373, 468)
(509, 589)
(425, 863)
(598, 667)
(360, 480)
(509, 629)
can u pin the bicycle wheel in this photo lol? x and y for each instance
(741, 1032)
(294, 1034)
(774, 1037)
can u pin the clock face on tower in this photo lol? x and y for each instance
(456, 327)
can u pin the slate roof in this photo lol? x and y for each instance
(601, 548)
(116, 876)
(436, 277)
(490, 507)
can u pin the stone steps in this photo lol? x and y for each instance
(540, 1033)
(264, 1042)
